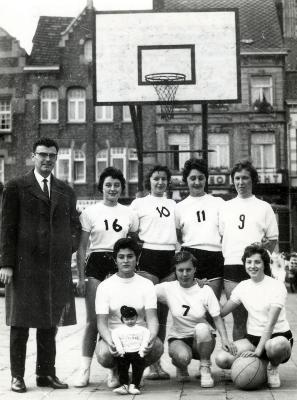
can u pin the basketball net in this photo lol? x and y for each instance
(166, 85)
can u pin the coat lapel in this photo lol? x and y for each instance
(34, 188)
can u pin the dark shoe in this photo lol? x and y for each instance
(18, 384)
(51, 381)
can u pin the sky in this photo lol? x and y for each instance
(20, 17)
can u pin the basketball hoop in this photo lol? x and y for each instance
(166, 85)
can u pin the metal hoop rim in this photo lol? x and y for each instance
(165, 78)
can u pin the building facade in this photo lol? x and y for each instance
(50, 93)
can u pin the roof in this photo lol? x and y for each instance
(258, 20)
(46, 40)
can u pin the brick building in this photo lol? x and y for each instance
(50, 93)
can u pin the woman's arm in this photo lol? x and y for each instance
(228, 307)
(80, 260)
(267, 332)
(104, 332)
(221, 328)
(153, 327)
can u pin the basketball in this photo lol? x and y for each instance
(249, 373)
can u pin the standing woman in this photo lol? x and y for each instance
(102, 224)
(242, 221)
(197, 222)
(157, 231)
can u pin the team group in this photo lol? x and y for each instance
(191, 251)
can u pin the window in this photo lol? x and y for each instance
(103, 113)
(49, 105)
(71, 162)
(220, 157)
(177, 142)
(2, 170)
(76, 105)
(261, 88)
(119, 157)
(79, 164)
(126, 114)
(5, 116)
(263, 151)
(88, 51)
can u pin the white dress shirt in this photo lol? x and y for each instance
(40, 179)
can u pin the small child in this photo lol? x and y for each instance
(130, 341)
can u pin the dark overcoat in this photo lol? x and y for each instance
(38, 237)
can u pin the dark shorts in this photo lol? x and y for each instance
(256, 339)
(188, 340)
(99, 265)
(210, 263)
(156, 262)
(235, 273)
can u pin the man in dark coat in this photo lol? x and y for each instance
(40, 231)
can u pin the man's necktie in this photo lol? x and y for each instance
(45, 188)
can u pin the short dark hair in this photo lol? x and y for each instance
(156, 168)
(113, 173)
(183, 256)
(239, 166)
(257, 248)
(126, 243)
(47, 142)
(194, 163)
(128, 312)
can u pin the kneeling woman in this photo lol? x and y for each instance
(190, 335)
(125, 288)
(268, 332)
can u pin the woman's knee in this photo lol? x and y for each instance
(202, 333)
(155, 353)
(224, 359)
(181, 356)
(104, 357)
(278, 349)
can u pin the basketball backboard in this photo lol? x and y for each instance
(203, 45)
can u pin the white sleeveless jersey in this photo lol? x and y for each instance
(107, 224)
(243, 222)
(156, 222)
(198, 220)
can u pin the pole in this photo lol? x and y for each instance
(204, 109)
(136, 117)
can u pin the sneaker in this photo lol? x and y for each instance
(273, 379)
(121, 390)
(113, 378)
(206, 378)
(182, 375)
(133, 389)
(82, 379)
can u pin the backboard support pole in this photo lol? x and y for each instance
(136, 117)
(204, 110)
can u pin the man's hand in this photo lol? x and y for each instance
(6, 274)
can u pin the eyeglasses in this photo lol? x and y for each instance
(51, 156)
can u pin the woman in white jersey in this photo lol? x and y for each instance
(157, 231)
(268, 332)
(102, 224)
(125, 288)
(242, 221)
(197, 223)
(191, 336)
